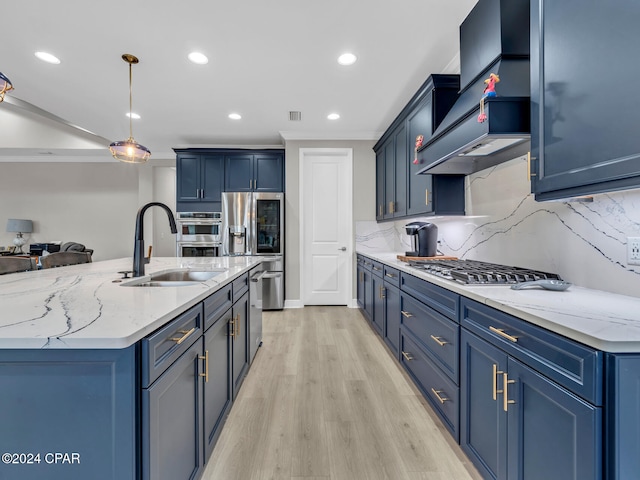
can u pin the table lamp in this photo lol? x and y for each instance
(19, 226)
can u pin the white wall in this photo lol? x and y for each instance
(90, 203)
(93, 204)
(583, 242)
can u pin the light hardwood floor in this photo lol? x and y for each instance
(325, 399)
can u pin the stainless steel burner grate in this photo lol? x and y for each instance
(474, 272)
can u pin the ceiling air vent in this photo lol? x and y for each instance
(295, 116)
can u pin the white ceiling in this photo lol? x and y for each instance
(266, 58)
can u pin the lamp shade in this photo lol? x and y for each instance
(130, 151)
(20, 226)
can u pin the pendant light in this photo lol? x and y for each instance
(5, 86)
(129, 150)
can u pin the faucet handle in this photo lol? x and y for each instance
(126, 273)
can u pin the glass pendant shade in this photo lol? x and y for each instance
(129, 150)
(5, 85)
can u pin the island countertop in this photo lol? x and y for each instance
(86, 306)
(602, 320)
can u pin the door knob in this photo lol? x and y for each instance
(344, 249)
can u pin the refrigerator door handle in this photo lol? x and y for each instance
(272, 275)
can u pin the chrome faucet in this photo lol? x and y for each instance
(138, 249)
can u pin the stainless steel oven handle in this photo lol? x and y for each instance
(258, 276)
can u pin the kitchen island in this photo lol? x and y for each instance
(107, 381)
(531, 383)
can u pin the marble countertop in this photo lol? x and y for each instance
(85, 306)
(602, 320)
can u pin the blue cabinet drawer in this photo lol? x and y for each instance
(392, 276)
(215, 305)
(438, 335)
(162, 348)
(443, 394)
(377, 268)
(367, 263)
(444, 301)
(574, 366)
(240, 286)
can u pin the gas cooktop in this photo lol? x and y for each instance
(473, 272)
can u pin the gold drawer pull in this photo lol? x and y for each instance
(237, 323)
(390, 275)
(232, 327)
(529, 172)
(442, 343)
(502, 333)
(437, 394)
(206, 366)
(406, 314)
(495, 390)
(407, 356)
(505, 382)
(381, 292)
(426, 197)
(183, 337)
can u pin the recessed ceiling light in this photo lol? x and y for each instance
(333, 116)
(47, 57)
(135, 116)
(235, 116)
(199, 58)
(347, 59)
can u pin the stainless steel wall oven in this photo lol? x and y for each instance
(199, 234)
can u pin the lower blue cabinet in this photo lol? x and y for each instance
(392, 318)
(172, 421)
(240, 342)
(217, 391)
(518, 424)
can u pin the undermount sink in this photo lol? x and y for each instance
(174, 278)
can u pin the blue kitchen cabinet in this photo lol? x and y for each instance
(392, 310)
(171, 417)
(378, 299)
(483, 424)
(400, 193)
(380, 183)
(199, 181)
(552, 433)
(69, 401)
(240, 342)
(217, 392)
(516, 422)
(254, 171)
(584, 101)
(360, 282)
(623, 416)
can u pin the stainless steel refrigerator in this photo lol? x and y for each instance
(253, 224)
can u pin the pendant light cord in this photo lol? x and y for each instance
(130, 104)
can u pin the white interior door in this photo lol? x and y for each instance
(326, 225)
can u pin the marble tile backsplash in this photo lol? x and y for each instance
(586, 243)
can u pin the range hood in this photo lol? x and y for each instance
(494, 38)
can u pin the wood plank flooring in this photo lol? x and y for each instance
(325, 399)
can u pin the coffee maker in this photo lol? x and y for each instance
(424, 239)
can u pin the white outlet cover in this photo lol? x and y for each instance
(633, 250)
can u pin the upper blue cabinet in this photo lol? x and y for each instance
(585, 132)
(400, 192)
(199, 181)
(247, 171)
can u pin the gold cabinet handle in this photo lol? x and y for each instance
(495, 390)
(438, 340)
(238, 325)
(437, 394)
(426, 196)
(390, 275)
(406, 314)
(381, 292)
(391, 207)
(502, 333)
(232, 327)
(206, 365)
(506, 401)
(529, 173)
(380, 210)
(407, 356)
(183, 337)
